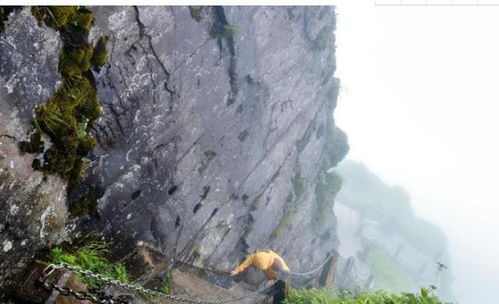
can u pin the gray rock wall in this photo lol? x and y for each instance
(209, 116)
(33, 212)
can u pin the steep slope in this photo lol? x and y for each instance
(401, 250)
(216, 130)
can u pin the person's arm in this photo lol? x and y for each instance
(243, 266)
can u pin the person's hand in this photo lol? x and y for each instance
(270, 282)
(233, 272)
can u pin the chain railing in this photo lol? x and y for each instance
(130, 287)
(306, 274)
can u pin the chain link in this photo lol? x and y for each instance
(127, 286)
(306, 274)
(83, 295)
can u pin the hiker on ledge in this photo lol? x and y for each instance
(267, 261)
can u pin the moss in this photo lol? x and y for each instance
(333, 182)
(224, 30)
(293, 202)
(85, 206)
(34, 145)
(196, 13)
(323, 39)
(299, 185)
(63, 17)
(231, 30)
(100, 52)
(68, 115)
(57, 17)
(335, 147)
(4, 14)
(75, 61)
(82, 18)
(325, 192)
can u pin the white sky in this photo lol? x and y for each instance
(419, 102)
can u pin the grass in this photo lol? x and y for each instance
(327, 296)
(91, 257)
(166, 284)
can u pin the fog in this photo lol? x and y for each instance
(419, 101)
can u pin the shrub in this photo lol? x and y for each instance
(326, 296)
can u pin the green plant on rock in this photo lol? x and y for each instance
(327, 296)
(68, 115)
(224, 31)
(325, 192)
(91, 257)
(323, 39)
(196, 13)
(166, 284)
(230, 29)
(335, 147)
(293, 202)
(100, 52)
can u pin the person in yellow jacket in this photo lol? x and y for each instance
(267, 261)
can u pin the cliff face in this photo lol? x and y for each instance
(33, 210)
(216, 131)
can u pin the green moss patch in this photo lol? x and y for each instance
(219, 30)
(68, 115)
(100, 52)
(325, 192)
(335, 147)
(293, 202)
(196, 13)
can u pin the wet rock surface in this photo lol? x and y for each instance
(198, 141)
(210, 119)
(33, 211)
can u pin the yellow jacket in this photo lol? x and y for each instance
(266, 260)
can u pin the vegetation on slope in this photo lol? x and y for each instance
(325, 296)
(90, 257)
(293, 201)
(388, 273)
(366, 193)
(325, 192)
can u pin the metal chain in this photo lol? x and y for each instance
(83, 295)
(305, 274)
(136, 288)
